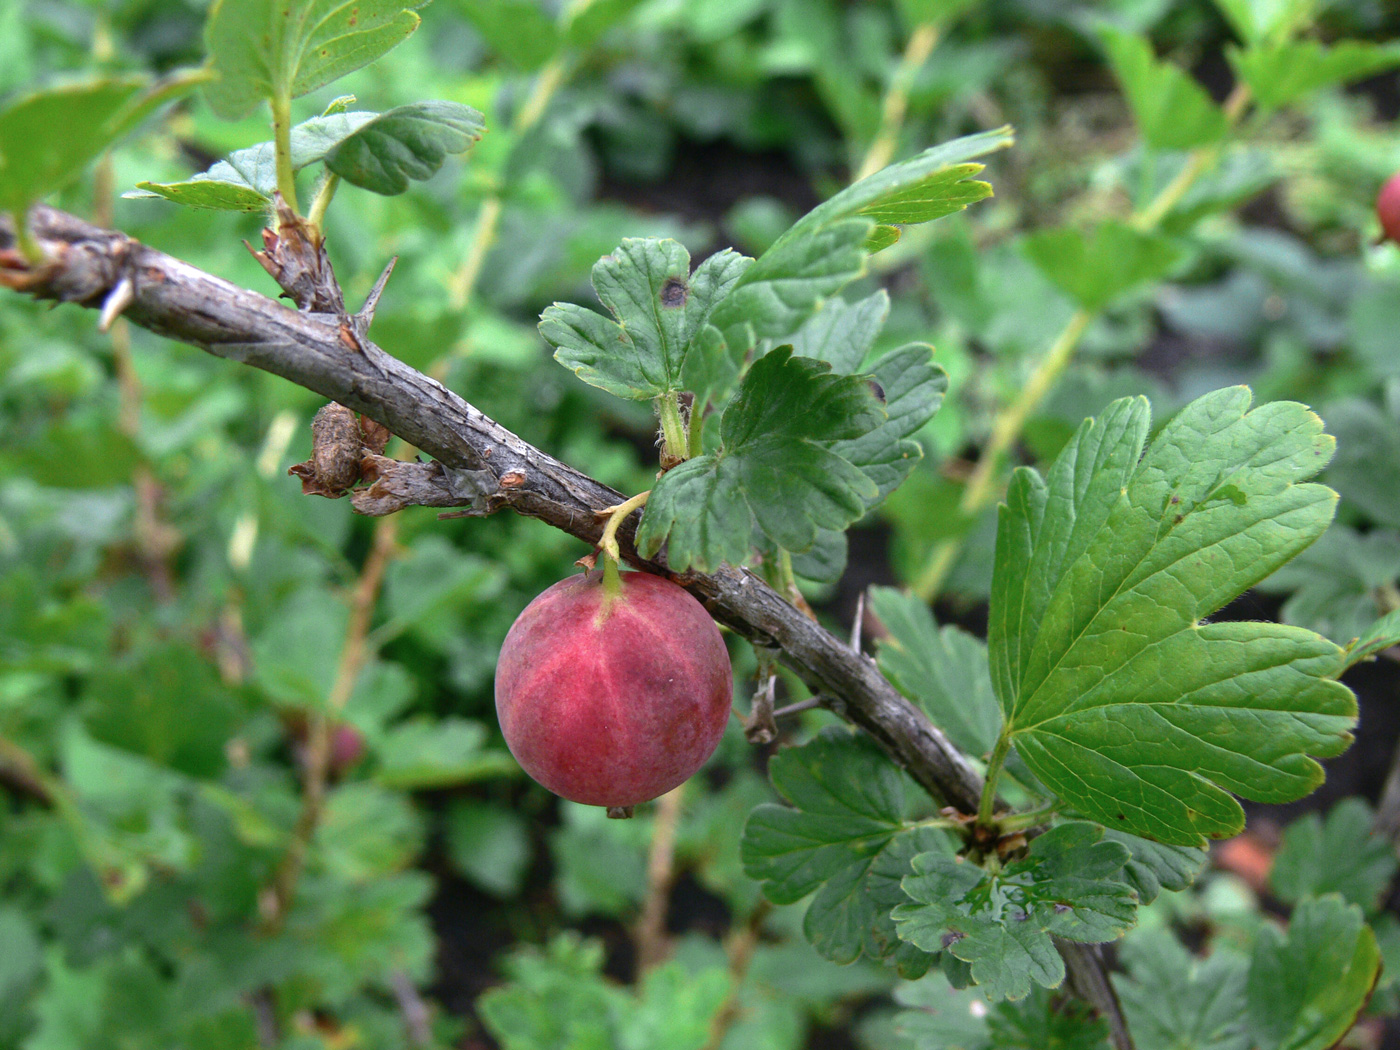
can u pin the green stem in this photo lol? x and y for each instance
(921, 44)
(607, 542)
(697, 430)
(463, 283)
(986, 807)
(982, 486)
(1028, 818)
(316, 217)
(282, 145)
(675, 442)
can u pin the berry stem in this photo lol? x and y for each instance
(616, 516)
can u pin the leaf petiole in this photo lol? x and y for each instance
(1028, 818)
(986, 807)
(282, 146)
(316, 217)
(675, 442)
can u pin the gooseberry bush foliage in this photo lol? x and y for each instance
(196, 862)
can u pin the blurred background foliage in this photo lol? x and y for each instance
(173, 611)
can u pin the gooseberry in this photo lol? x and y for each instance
(613, 693)
(1388, 207)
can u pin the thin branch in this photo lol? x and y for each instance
(650, 931)
(485, 466)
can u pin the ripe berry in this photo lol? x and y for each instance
(1388, 207)
(612, 700)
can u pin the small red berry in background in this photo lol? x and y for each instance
(612, 700)
(1388, 207)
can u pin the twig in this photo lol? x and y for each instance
(739, 946)
(416, 1018)
(353, 654)
(22, 775)
(478, 457)
(650, 932)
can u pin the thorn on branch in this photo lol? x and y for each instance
(365, 317)
(118, 299)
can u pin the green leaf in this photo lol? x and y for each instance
(1116, 694)
(1172, 110)
(1341, 856)
(1335, 583)
(166, 704)
(206, 190)
(1004, 924)
(775, 463)
(1155, 867)
(825, 249)
(1289, 70)
(1381, 635)
(929, 186)
(1043, 1021)
(1306, 987)
(407, 142)
(945, 1018)
(250, 175)
(368, 832)
(518, 31)
(660, 308)
(844, 838)
(789, 282)
(428, 753)
(1266, 20)
(944, 671)
(912, 387)
(49, 137)
(825, 560)
(1094, 270)
(586, 23)
(490, 845)
(842, 333)
(270, 49)
(1174, 1002)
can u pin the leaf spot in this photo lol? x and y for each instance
(674, 292)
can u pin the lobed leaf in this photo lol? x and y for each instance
(1116, 694)
(1340, 856)
(1380, 636)
(1094, 270)
(268, 49)
(406, 143)
(661, 311)
(1265, 20)
(775, 466)
(1003, 924)
(1172, 110)
(845, 838)
(913, 388)
(1289, 70)
(1173, 1002)
(826, 249)
(944, 670)
(1306, 987)
(1154, 866)
(842, 333)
